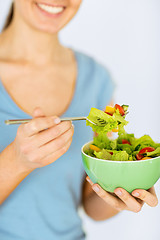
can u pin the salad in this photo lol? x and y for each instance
(125, 147)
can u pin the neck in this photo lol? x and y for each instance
(23, 42)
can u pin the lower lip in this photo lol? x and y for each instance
(51, 15)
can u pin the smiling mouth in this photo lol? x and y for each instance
(51, 9)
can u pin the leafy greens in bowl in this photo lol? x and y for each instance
(129, 175)
(126, 147)
(127, 162)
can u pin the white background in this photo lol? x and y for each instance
(124, 35)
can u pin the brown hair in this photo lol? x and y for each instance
(9, 17)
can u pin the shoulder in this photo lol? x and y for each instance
(96, 77)
(89, 66)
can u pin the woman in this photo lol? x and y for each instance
(42, 183)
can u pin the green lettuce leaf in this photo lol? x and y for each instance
(102, 141)
(117, 155)
(125, 147)
(120, 156)
(113, 144)
(90, 152)
(122, 134)
(112, 122)
(155, 153)
(131, 158)
(104, 154)
(145, 141)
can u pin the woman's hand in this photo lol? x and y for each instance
(122, 200)
(41, 141)
(38, 143)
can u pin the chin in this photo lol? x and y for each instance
(47, 28)
(49, 18)
(47, 15)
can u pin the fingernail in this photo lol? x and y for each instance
(96, 188)
(136, 194)
(72, 125)
(56, 120)
(88, 179)
(118, 192)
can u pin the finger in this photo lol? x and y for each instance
(56, 144)
(52, 133)
(54, 156)
(38, 112)
(39, 124)
(89, 180)
(148, 197)
(140, 201)
(152, 190)
(91, 183)
(108, 198)
(128, 200)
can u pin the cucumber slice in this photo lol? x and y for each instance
(125, 107)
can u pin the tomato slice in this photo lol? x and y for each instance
(111, 153)
(121, 110)
(124, 141)
(146, 149)
(139, 156)
(109, 113)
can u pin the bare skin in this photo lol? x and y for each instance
(54, 81)
(37, 71)
(111, 204)
(37, 144)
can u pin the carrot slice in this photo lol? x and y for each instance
(115, 130)
(94, 148)
(145, 158)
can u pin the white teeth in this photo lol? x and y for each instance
(50, 9)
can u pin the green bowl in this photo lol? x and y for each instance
(129, 175)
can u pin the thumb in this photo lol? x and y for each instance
(38, 112)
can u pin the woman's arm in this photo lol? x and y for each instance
(94, 206)
(11, 175)
(38, 143)
(101, 205)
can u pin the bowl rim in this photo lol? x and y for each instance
(120, 162)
